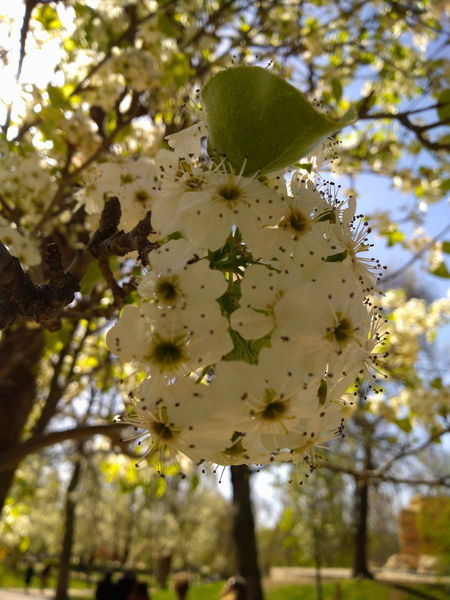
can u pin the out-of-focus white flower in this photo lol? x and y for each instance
(20, 246)
(133, 182)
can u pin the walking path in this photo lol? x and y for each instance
(33, 594)
(281, 575)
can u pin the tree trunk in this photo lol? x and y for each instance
(244, 532)
(69, 530)
(163, 565)
(360, 558)
(318, 562)
(20, 352)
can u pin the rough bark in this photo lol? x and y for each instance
(20, 297)
(244, 532)
(20, 352)
(62, 585)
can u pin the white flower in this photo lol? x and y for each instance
(180, 280)
(268, 397)
(134, 182)
(129, 337)
(261, 288)
(226, 201)
(296, 231)
(170, 413)
(241, 450)
(299, 446)
(328, 315)
(291, 285)
(169, 342)
(352, 237)
(23, 248)
(187, 143)
(177, 177)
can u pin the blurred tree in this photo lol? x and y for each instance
(313, 529)
(62, 586)
(390, 430)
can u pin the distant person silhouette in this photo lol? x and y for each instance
(29, 574)
(125, 585)
(44, 576)
(105, 587)
(235, 589)
(139, 592)
(181, 583)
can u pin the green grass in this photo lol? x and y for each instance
(15, 579)
(349, 590)
(359, 590)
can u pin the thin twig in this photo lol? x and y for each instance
(416, 256)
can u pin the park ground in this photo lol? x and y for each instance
(332, 590)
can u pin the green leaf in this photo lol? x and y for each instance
(48, 17)
(90, 278)
(338, 257)
(441, 271)
(166, 26)
(57, 98)
(404, 424)
(243, 349)
(24, 544)
(336, 86)
(260, 122)
(444, 110)
(436, 383)
(195, 482)
(55, 340)
(446, 247)
(261, 343)
(306, 166)
(393, 236)
(178, 69)
(229, 301)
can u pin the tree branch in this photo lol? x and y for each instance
(411, 451)
(418, 130)
(20, 297)
(380, 474)
(373, 475)
(55, 389)
(9, 458)
(416, 256)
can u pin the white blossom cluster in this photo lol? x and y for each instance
(254, 317)
(26, 183)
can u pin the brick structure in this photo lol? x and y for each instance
(424, 528)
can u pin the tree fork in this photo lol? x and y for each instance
(20, 297)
